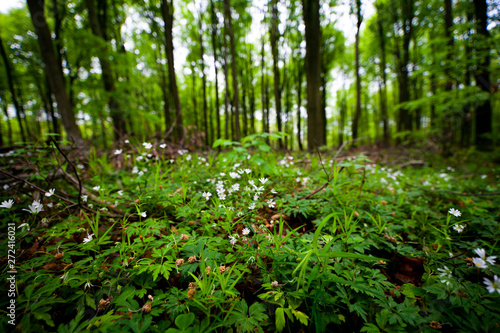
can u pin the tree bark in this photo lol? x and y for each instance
(98, 26)
(215, 46)
(482, 78)
(12, 88)
(236, 107)
(203, 79)
(357, 114)
(54, 74)
(383, 85)
(167, 11)
(316, 127)
(274, 34)
(300, 74)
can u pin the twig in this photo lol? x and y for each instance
(320, 188)
(74, 170)
(36, 187)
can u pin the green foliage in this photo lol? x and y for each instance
(374, 250)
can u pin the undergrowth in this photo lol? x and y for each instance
(150, 238)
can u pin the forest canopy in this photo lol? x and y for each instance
(195, 72)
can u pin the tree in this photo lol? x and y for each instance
(12, 88)
(167, 11)
(54, 74)
(383, 65)
(230, 32)
(274, 34)
(316, 127)
(482, 77)
(357, 114)
(98, 26)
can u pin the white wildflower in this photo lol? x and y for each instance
(50, 192)
(35, 208)
(494, 285)
(118, 151)
(24, 227)
(455, 212)
(207, 195)
(479, 263)
(482, 254)
(7, 204)
(88, 238)
(245, 231)
(147, 145)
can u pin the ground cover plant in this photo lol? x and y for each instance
(149, 237)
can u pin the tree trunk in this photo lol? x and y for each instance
(482, 78)
(226, 81)
(215, 46)
(236, 107)
(467, 110)
(316, 127)
(98, 26)
(203, 79)
(167, 11)
(274, 34)
(357, 114)
(300, 74)
(6, 113)
(383, 85)
(56, 79)
(10, 81)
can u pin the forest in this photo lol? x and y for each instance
(249, 166)
(198, 71)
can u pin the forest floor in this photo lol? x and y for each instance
(148, 237)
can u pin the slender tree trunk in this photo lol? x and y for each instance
(56, 79)
(357, 114)
(263, 93)
(236, 107)
(467, 110)
(203, 79)
(164, 91)
(252, 93)
(383, 85)
(194, 97)
(12, 88)
(274, 34)
(482, 78)
(7, 120)
(48, 94)
(343, 113)
(167, 12)
(316, 127)
(300, 74)
(227, 121)
(214, 32)
(244, 104)
(98, 26)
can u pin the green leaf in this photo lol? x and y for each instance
(257, 311)
(280, 319)
(302, 317)
(183, 321)
(90, 301)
